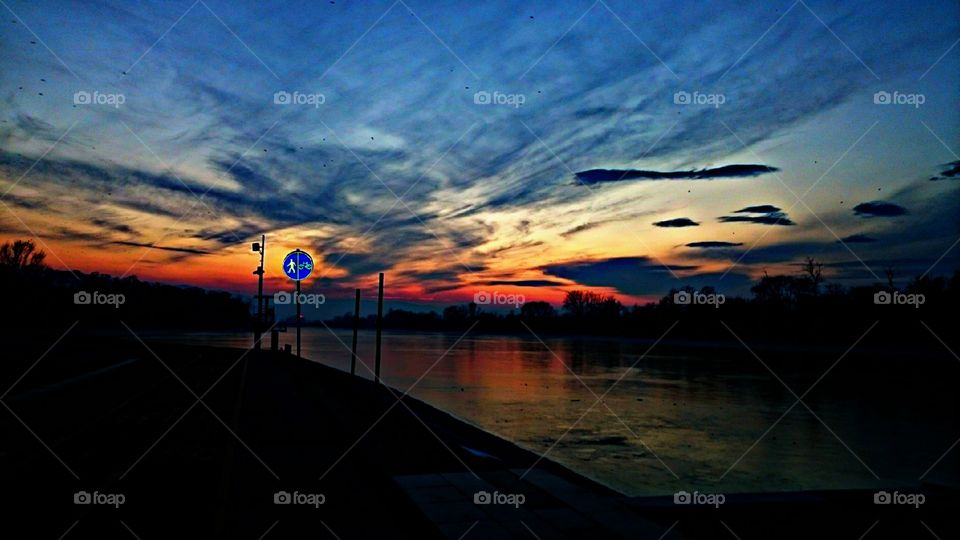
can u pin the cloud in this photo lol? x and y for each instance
(775, 218)
(713, 245)
(357, 263)
(601, 105)
(67, 233)
(594, 224)
(596, 176)
(879, 209)
(24, 202)
(524, 282)
(677, 222)
(766, 214)
(579, 229)
(113, 225)
(228, 236)
(641, 275)
(857, 239)
(952, 171)
(759, 209)
(582, 268)
(189, 251)
(496, 252)
(776, 253)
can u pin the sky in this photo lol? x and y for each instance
(525, 148)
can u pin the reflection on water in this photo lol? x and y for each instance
(668, 423)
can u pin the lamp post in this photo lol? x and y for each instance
(259, 247)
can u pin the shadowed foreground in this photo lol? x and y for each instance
(126, 421)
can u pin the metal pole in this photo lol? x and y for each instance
(356, 325)
(260, 324)
(297, 301)
(379, 327)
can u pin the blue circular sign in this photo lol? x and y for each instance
(297, 265)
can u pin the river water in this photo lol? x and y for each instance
(666, 423)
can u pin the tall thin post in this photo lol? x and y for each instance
(263, 250)
(297, 302)
(259, 324)
(379, 327)
(356, 326)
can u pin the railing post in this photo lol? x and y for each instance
(356, 325)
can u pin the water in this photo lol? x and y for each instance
(710, 423)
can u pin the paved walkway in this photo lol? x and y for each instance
(204, 443)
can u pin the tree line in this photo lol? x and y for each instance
(800, 307)
(39, 297)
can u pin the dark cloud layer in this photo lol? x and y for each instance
(713, 245)
(596, 176)
(879, 209)
(523, 282)
(857, 239)
(764, 214)
(189, 251)
(357, 263)
(642, 275)
(775, 218)
(677, 222)
(952, 171)
(759, 209)
(23, 202)
(783, 252)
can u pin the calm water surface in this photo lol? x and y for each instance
(667, 422)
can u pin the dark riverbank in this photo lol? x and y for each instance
(123, 423)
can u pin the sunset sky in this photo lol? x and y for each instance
(531, 148)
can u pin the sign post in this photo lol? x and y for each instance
(297, 265)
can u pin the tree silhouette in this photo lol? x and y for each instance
(21, 255)
(537, 310)
(814, 274)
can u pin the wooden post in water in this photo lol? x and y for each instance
(379, 328)
(356, 325)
